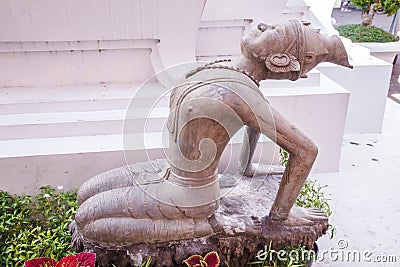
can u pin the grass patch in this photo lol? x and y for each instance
(369, 34)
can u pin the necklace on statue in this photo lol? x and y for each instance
(214, 65)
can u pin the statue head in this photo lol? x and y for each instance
(289, 50)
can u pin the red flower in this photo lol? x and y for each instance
(84, 259)
(209, 260)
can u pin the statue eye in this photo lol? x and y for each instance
(263, 27)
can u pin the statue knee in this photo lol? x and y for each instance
(308, 151)
(312, 151)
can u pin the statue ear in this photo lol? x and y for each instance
(282, 62)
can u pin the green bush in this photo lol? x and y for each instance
(361, 34)
(388, 6)
(35, 226)
(312, 196)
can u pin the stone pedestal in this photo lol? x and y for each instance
(242, 198)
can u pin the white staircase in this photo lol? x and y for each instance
(78, 132)
(63, 135)
(69, 71)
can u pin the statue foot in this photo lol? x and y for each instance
(303, 226)
(263, 170)
(299, 216)
(231, 226)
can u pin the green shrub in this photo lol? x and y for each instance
(312, 196)
(388, 6)
(35, 226)
(361, 34)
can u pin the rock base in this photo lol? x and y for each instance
(236, 245)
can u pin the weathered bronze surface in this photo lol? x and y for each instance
(171, 203)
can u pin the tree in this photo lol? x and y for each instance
(369, 8)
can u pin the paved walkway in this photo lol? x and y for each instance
(364, 194)
(365, 198)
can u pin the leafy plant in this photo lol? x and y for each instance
(387, 6)
(211, 259)
(360, 34)
(35, 226)
(312, 196)
(370, 7)
(147, 263)
(284, 157)
(84, 259)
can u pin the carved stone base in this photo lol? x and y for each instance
(244, 230)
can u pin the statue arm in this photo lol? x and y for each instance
(263, 118)
(302, 154)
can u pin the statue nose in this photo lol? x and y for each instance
(339, 56)
(347, 65)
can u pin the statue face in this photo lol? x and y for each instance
(266, 40)
(290, 49)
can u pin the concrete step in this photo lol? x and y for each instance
(63, 124)
(70, 161)
(73, 145)
(19, 100)
(220, 38)
(296, 9)
(48, 62)
(92, 143)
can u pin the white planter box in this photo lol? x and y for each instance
(384, 51)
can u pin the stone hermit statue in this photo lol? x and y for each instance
(178, 199)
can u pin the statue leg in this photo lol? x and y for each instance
(246, 167)
(125, 176)
(142, 213)
(250, 140)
